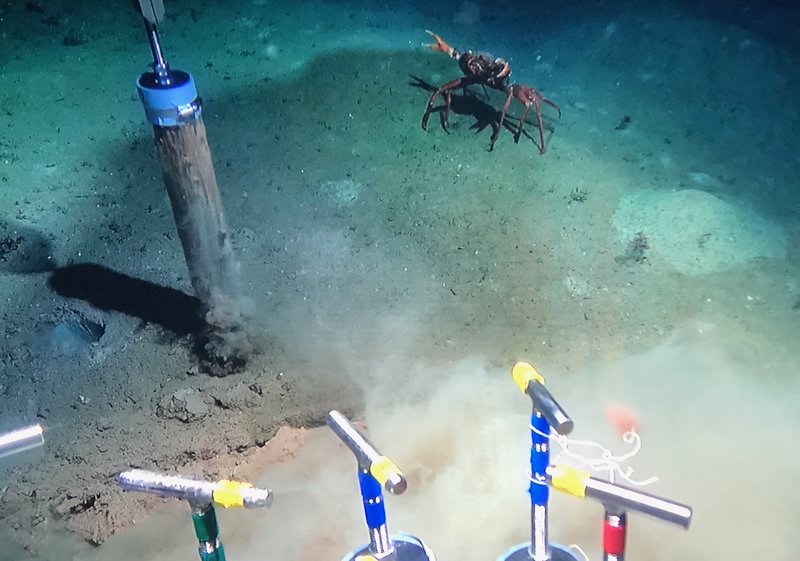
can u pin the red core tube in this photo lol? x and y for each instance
(614, 535)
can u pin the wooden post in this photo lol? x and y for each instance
(196, 205)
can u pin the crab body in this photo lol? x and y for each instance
(494, 73)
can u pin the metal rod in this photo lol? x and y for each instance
(195, 491)
(200, 492)
(544, 402)
(366, 454)
(152, 10)
(540, 544)
(20, 440)
(364, 451)
(380, 543)
(160, 66)
(618, 497)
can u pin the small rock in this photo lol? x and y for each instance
(185, 405)
(103, 424)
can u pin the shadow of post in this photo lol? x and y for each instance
(109, 290)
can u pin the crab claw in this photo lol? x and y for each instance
(506, 68)
(440, 44)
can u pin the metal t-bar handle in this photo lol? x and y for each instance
(531, 383)
(381, 467)
(581, 484)
(225, 493)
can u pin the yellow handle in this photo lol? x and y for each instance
(569, 480)
(228, 493)
(523, 373)
(383, 468)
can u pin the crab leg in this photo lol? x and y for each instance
(524, 116)
(440, 45)
(551, 104)
(447, 90)
(503, 113)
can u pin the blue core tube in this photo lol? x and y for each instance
(540, 460)
(371, 494)
(539, 491)
(380, 544)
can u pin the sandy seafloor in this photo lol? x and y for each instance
(397, 274)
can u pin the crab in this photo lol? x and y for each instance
(490, 72)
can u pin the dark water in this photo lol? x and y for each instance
(649, 257)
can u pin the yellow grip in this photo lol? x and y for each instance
(569, 480)
(228, 493)
(383, 468)
(523, 373)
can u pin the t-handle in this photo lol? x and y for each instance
(532, 383)
(379, 466)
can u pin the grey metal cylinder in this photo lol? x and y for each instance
(540, 545)
(192, 490)
(20, 440)
(625, 498)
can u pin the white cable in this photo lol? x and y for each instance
(607, 462)
(578, 548)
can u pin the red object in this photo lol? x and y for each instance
(623, 418)
(613, 538)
